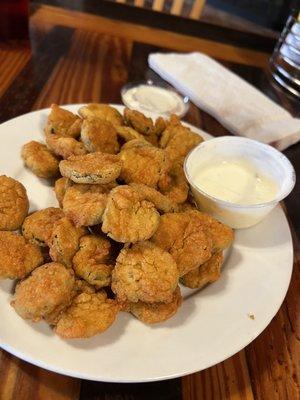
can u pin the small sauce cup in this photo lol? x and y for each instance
(263, 157)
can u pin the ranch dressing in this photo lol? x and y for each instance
(236, 181)
(154, 99)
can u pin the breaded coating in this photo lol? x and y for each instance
(178, 140)
(37, 227)
(99, 135)
(14, 203)
(17, 258)
(81, 286)
(91, 262)
(85, 204)
(88, 315)
(127, 133)
(152, 313)
(64, 241)
(63, 122)
(209, 272)
(95, 168)
(159, 126)
(101, 111)
(144, 272)
(127, 217)
(222, 235)
(161, 202)
(183, 237)
(142, 163)
(48, 290)
(60, 187)
(64, 147)
(40, 160)
(174, 184)
(143, 125)
(138, 121)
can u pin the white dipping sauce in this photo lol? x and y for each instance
(236, 181)
(154, 99)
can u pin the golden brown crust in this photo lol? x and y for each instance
(99, 135)
(142, 163)
(127, 217)
(62, 122)
(161, 202)
(37, 227)
(91, 262)
(144, 272)
(103, 112)
(60, 187)
(14, 203)
(183, 237)
(222, 235)
(174, 184)
(152, 313)
(48, 289)
(41, 161)
(85, 204)
(88, 315)
(127, 133)
(64, 241)
(95, 168)
(17, 258)
(64, 147)
(138, 121)
(178, 140)
(208, 272)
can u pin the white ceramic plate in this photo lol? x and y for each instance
(211, 325)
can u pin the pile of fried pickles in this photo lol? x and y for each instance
(125, 231)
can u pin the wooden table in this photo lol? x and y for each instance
(76, 57)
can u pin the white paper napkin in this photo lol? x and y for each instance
(237, 105)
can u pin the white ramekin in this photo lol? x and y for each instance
(265, 158)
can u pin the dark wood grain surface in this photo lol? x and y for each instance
(78, 57)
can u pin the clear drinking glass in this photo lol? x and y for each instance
(285, 61)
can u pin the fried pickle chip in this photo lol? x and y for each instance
(88, 315)
(138, 121)
(222, 235)
(85, 204)
(208, 272)
(94, 168)
(127, 217)
(60, 187)
(152, 313)
(41, 161)
(159, 126)
(161, 202)
(64, 241)
(183, 237)
(47, 290)
(99, 135)
(144, 272)
(178, 140)
(17, 258)
(101, 111)
(14, 203)
(37, 227)
(81, 286)
(91, 262)
(64, 147)
(174, 184)
(142, 163)
(63, 122)
(127, 133)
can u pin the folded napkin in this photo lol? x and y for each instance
(237, 105)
